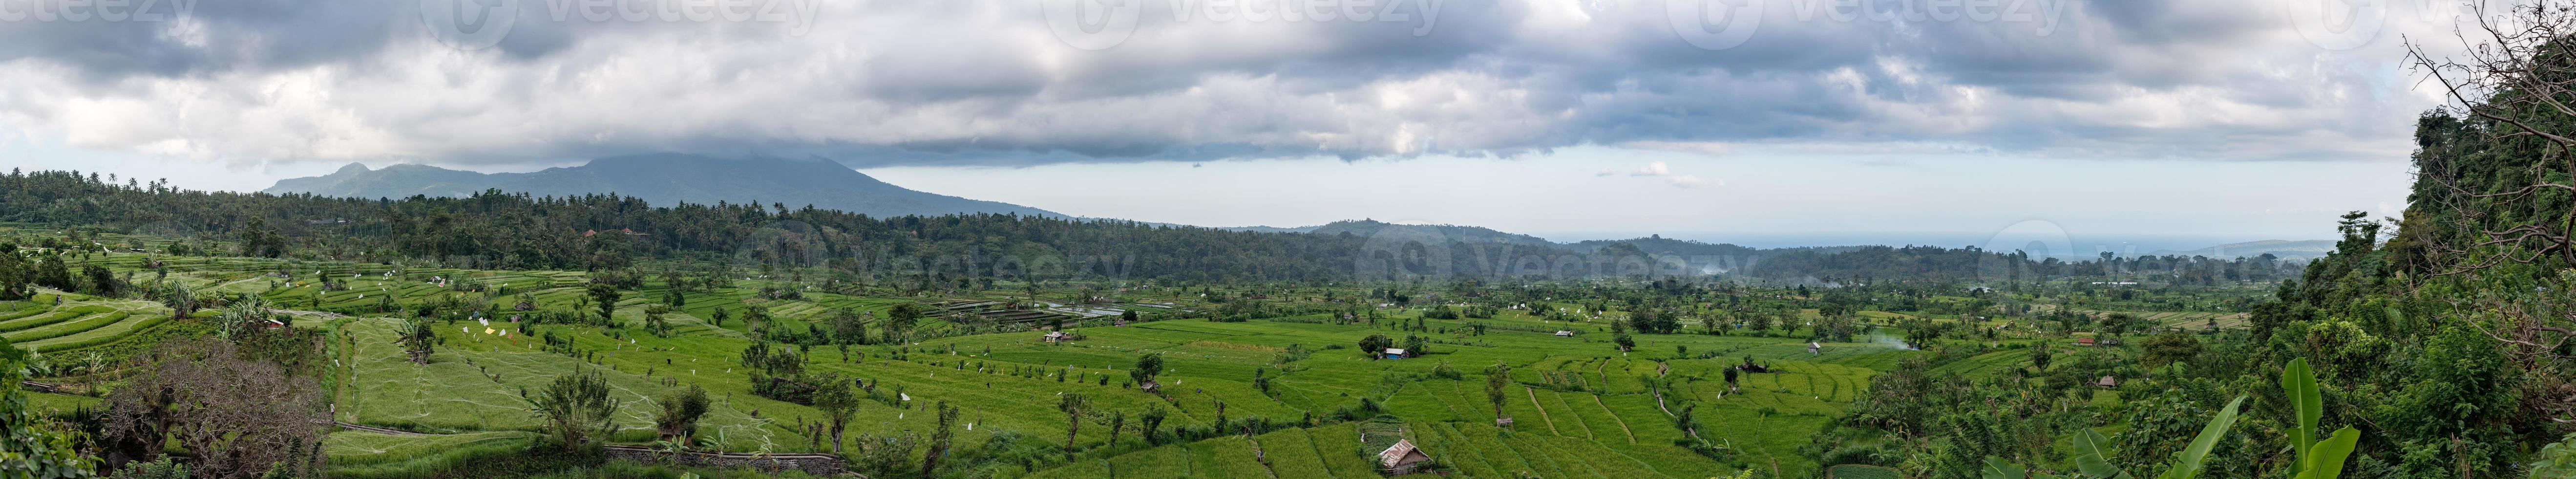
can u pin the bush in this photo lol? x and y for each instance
(1855, 471)
(1859, 454)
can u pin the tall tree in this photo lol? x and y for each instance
(15, 273)
(1147, 367)
(1150, 424)
(900, 319)
(605, 295)
(838, 404)
(1117, 422)
(939, 439)
(1073, 404)
(1375, 344)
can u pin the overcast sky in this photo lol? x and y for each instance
(1710, 119)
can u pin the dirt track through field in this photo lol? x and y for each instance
(1542, 410)
(1614, 416)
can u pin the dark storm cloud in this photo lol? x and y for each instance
(920, 82)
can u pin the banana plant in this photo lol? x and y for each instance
(2093, 454)
(2316, 459)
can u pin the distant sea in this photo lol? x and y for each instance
(2083, 245)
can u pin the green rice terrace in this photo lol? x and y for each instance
(1253, 382)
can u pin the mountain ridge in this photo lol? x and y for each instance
(663, 179)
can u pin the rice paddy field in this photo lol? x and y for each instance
(1581, 407)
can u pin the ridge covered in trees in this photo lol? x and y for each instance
(501, 230)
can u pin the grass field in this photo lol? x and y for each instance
(1582, 407)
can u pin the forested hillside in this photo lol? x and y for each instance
(2442, 339)
(521, 231)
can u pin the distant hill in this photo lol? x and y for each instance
(1657, 244)
(1269, 229)
(663, 179)
(2284, 249)
(1462, 234)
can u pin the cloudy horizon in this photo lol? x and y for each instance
(2255, 120)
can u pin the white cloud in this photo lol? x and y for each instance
(916, 82)
(1658, 169)
(1693, 181)
(1705, 148)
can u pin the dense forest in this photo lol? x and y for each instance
(2442, 338)
(502, 230)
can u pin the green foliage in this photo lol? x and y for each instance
(678, 419)
(837, 403)
(31, 447)
(605, 296)
(420, 339)
(161, 468)
(2315, 459)
(1856, 471)
(2555, 460)
(577, 407)
(1375, 344)
(2167, 348)
(2093, 456)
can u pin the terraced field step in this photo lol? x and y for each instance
(68, 328)
(101, 335)
(50, 318)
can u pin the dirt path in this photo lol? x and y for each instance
(378, 430)
(1262, 457)
(1659, 404)
(1542, 410)
(1614, 417)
